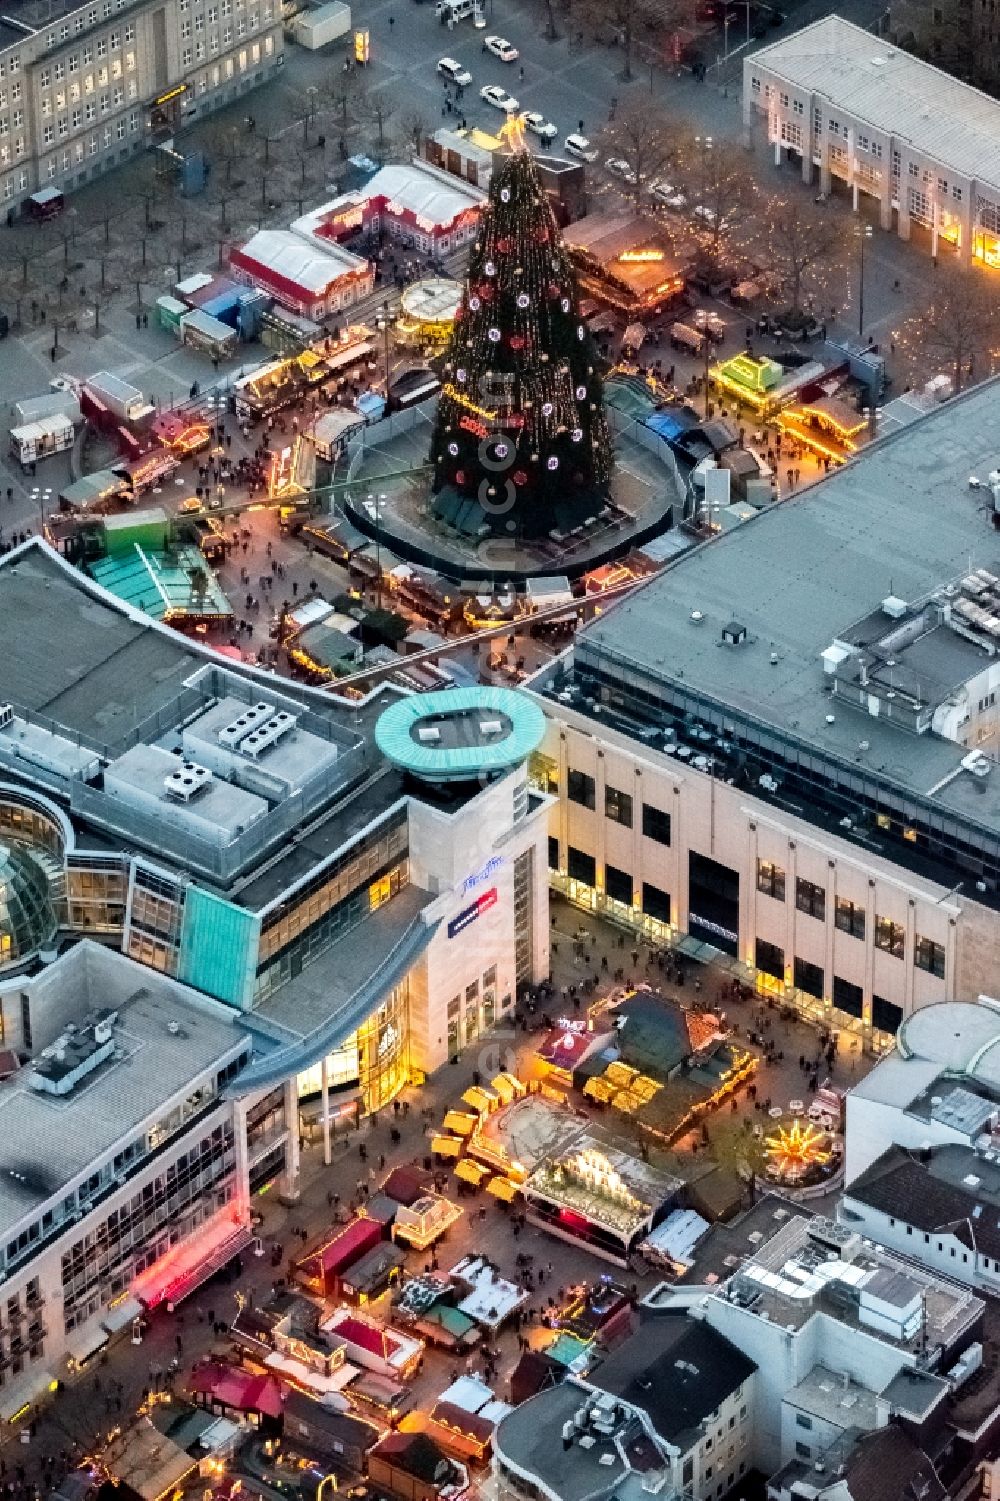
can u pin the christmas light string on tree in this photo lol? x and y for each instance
(520, 424)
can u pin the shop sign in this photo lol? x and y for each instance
(468, 915)
(481, 876)
(714, 927)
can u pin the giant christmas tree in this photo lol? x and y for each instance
(520, 433)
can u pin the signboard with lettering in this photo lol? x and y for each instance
(468, 915)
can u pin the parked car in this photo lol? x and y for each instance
(539, 126)
(618, 167)
(667, 194)
(580, 147)
(454, 72)
(501, 48)
(499, 98)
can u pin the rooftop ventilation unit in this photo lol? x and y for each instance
(428, 733)
(894, 607)
(187, 781)
(267, 734)
(491, 727)
(977, 763)
(6, 715)
(237, 731)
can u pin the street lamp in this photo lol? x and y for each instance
(863, 233)
(384, 322)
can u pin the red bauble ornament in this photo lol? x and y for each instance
(519, 477)
(516, 341)
(504, 245)
(460, 476)
(554, 289)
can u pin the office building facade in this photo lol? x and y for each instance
(801, 778)
(861, 115)
(84, 88)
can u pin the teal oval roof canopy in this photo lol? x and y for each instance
(27, 919)
(460, 733)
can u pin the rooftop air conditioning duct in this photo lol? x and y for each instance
(187, 781)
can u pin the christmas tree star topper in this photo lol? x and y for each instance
(512, 133)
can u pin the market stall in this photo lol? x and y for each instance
(829, 427)
(36, 440)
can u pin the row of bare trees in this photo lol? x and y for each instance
(805, 247)
(70, 270)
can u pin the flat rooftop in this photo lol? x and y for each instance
(898, 520)
(817, 1266)
(47, 1140)
(893, 92)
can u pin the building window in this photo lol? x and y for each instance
(655, 824)
(618, 885)
(580, 788)
(655, 903)
(802, 1420)
(770, 959)
(890, 936)
(847, 997)
(850, 917)
(771, 879)
(553, 852)
(802, 1450)
(581, 867)
(810, 898)
(618, 806)
(808, 977)
(886, 1016)
(929, 955)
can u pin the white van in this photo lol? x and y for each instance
(580, 147)
(454, 72)
(455, 10)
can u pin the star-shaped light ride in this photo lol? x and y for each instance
(793, 1150)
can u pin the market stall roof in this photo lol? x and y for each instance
(279, 253)
(90, 488)
(163, 585)
(461, 1123)
(471, 1172)
(502, 1189)
(412, 188)
(236, 1388)
(676, 1238)
(447, 1146)
(405, 1184)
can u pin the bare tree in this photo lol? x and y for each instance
(722, 194)
(227, 148)
(413, 129)
(647, 141)
(959, 327)
(377, 109)
(800, 241)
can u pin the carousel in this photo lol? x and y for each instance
(427, 311)
(800, 1154)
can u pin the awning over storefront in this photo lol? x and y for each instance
(460, 1123)
(447, 1146)
(192, 1274)
(80, 1347)
(15, 1400)
(120, 1315)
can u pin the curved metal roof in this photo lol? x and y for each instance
(460, 733)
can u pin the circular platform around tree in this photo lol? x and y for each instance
(392, 475)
